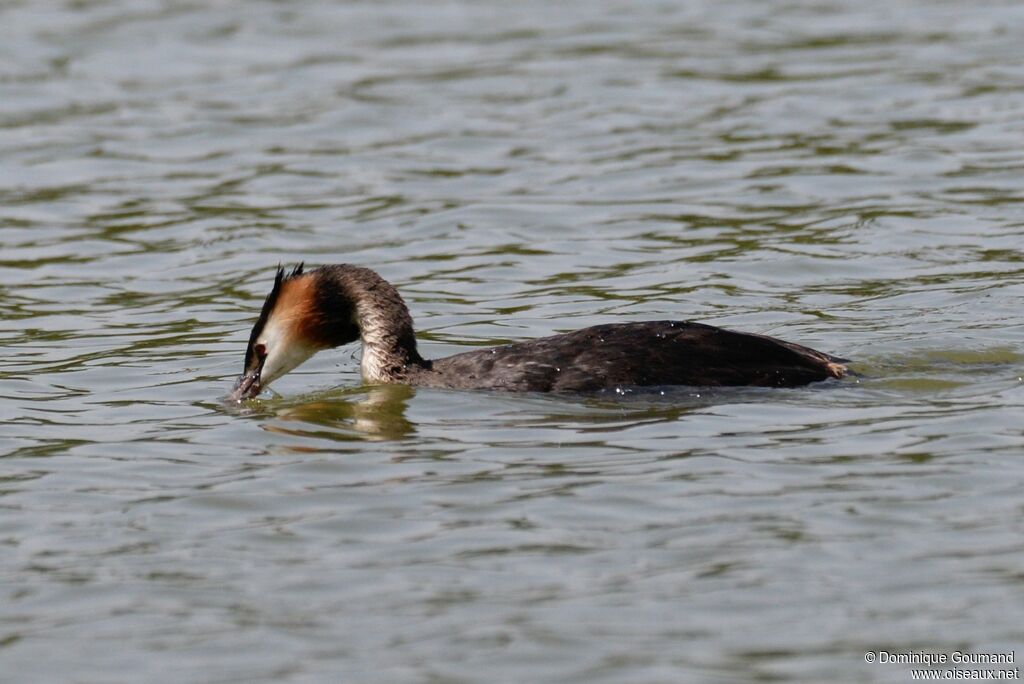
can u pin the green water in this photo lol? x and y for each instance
(843, 174)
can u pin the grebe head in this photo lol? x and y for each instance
(301, 316)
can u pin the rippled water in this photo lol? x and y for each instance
(843, 174)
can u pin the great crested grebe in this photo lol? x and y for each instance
(308, 311)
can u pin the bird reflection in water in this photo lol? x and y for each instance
(373, 413)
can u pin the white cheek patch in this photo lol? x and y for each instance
(284, 352)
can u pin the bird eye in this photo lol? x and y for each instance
(260, 350)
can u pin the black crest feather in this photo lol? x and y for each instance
(268, 306)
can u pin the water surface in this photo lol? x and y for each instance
(842, 174)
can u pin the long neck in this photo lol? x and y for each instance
(385, 326)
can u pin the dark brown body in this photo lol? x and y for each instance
(631, 354)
